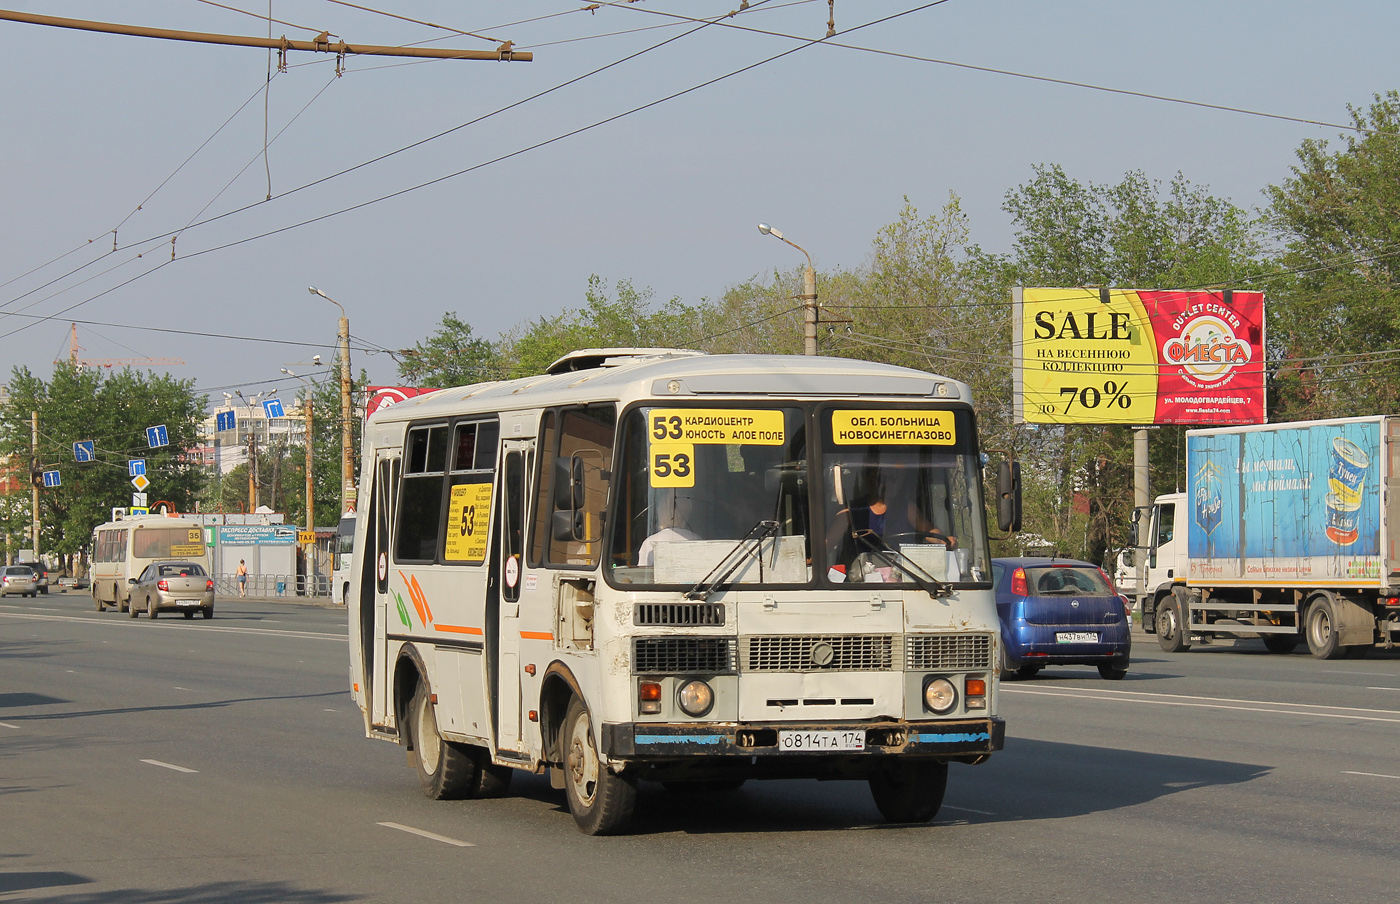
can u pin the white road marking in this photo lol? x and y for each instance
(425, 834)
(169, 766)
(1372, 774)
(1351, 712)
(8, 725)
(1383, 688)
(967, 810)
(180, 626)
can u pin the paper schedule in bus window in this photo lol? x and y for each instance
(468, 514)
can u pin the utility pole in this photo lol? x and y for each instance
(252, 471)
(347, 450)
(808, 296)
(320, 44)
(310, 499)
(34, 487)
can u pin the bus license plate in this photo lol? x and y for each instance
(821, 740)
(1077, 637)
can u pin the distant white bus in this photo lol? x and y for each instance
(122, 549)
(344, 559)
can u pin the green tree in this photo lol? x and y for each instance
(451, 356)
(1337, 219)
(113, 411)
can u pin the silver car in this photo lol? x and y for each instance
(18, 579)
(179, 586)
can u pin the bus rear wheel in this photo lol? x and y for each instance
(909, 791)
(600, 801)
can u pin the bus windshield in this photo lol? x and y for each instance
(701, 488)
(903, 496)
(725, 495)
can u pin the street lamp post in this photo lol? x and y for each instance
(252, 452)
(808, 296)
(347, 462)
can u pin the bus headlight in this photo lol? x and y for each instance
(695, 698)
(940, 696)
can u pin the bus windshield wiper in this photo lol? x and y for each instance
(726, 566)
(898, 560)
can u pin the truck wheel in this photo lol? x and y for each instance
(1281, 643)
(1322, 630)
(910, 791)
(444, 772)
(1171, 628)
(600, 801)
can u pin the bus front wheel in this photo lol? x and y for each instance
(600, 801)
(911, 791)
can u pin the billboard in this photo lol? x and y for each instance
(1292, 503)
(1138, 356)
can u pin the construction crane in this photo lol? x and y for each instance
(76, 362)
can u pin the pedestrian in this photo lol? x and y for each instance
(242, 578)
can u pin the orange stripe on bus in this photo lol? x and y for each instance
(456, 629)
(536, 635)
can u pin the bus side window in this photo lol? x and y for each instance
(584, 435)
(419, 517)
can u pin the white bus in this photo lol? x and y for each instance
(344, 559)
(659, 565)
(121, 550)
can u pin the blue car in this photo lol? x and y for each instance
(1059, 612)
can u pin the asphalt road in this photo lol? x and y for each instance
(223, 761)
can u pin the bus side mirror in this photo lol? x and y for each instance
(1009, 496)
(568, 484)
(568, 525)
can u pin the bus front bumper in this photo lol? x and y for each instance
(961, 739)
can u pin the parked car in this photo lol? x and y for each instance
(41, 575)
(1059, 612)
(18, 579)
(180, 586)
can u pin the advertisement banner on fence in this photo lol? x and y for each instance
(1138, 356)
(257, 535)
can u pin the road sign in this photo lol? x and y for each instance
(138, 499)
(273, 407)
(140, 481)
(138, 510)
(118, 514)
(306, 536)
(226, 420)
(51, 479)
(135, 466)
(84, 451)
(157, 437)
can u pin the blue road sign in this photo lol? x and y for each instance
(157, 437)
(273, 407)
(51, 479)
(135, 466)
(226, 420)
(84, 451)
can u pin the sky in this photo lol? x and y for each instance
(111, 144)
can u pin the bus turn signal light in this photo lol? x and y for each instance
(975, 693)
(649, 698)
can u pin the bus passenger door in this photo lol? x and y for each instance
(374, 589)
(503, 594)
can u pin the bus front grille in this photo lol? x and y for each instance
(947, 652)
(682, 614)
(683, 655)
(819, 653)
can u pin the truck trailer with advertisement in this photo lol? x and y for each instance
(1283, 533)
